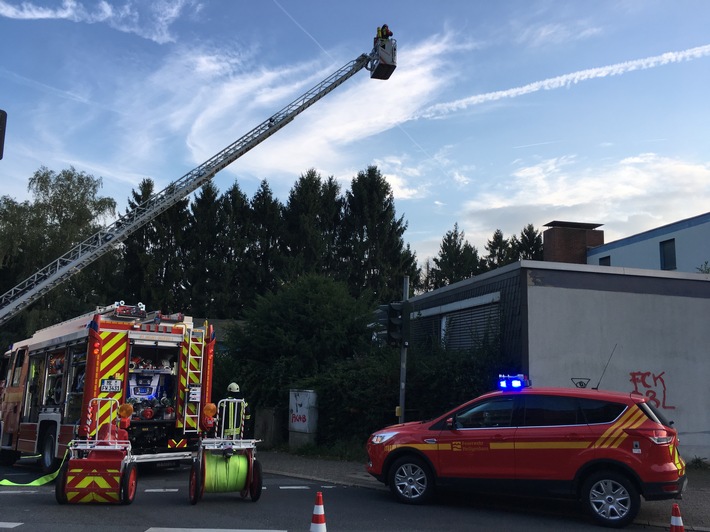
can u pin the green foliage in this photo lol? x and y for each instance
(295, 333)
(65, 210)
(440, 379)
(529, 245)
(500, 251)
(356, 395)
(457, 260)
(374, 257)
(306, 276)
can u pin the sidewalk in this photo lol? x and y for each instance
(694, 507)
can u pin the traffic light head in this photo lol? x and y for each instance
(394, 324)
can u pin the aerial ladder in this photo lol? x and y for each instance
(380, 62)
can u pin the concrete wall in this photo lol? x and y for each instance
(661, 346)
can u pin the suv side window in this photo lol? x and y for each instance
(497, 412)
(598, 411)
(551, 410)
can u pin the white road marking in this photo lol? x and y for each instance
(212, 530)
(9, 525)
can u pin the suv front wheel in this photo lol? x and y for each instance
(611, 498)
(411, 481)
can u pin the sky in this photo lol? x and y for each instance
(499, 114)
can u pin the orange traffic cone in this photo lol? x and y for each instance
(318, 519)
(676, 520)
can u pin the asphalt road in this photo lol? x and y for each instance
(161, 505)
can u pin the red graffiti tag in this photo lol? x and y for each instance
(650, 384)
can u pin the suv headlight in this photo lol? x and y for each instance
(382, 437)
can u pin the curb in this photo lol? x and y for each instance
(354, 482)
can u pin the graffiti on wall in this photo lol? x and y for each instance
(652, 385)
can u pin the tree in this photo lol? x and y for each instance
(65, 210)
(457, 259)
(298, 332)
(265, 239)
(170, 254)
(499, 251)
(311, 218)
(155, 255)
(204, 268)
(373, 257)
(235, 291)
(138, 264)
(529, 245)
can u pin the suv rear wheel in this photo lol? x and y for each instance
(411, 481)
(611, 499)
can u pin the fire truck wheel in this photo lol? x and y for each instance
(60, 484)
(411, 481)
(129, 483)
(256, 481)
(195, 488)
(49, 461)
(611, 499)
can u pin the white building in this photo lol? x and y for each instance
(682, 246)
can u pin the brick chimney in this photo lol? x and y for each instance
(569, 241)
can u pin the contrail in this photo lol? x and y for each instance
(566, 80)
(303, 29)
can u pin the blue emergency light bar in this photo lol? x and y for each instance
(513, 382)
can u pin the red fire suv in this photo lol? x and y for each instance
(605, 448)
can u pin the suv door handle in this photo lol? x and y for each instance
(430, 440)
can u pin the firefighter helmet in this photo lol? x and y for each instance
(233, 387)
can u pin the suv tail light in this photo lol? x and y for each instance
(657, 436)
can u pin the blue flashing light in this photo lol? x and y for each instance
(513, 382)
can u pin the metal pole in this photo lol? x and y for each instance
(403, 354)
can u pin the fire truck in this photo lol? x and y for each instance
(159, 364)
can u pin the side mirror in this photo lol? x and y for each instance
(451, 423)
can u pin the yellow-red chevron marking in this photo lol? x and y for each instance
(114, 355)
(616, 434)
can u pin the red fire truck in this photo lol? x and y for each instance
(159, 364)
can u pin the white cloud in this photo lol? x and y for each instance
(556, 33)
(326, 136)
(150, 20)
(631, 195)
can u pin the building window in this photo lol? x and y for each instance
(667, 249)
(605, 261)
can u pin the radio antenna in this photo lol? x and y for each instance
(607, 365)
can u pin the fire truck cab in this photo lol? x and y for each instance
(159, 364)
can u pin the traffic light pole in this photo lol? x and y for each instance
(403, 353)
